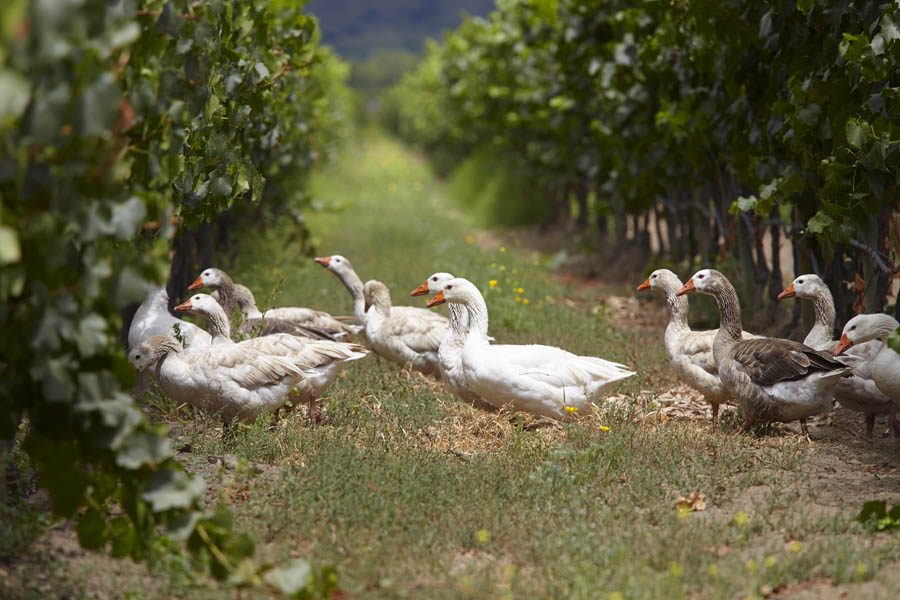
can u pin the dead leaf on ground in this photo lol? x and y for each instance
(693, 502)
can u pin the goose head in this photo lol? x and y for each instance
(209, 278)
(432, 285)
(455, 291)
(378, 296)
(863, 328)
(663, 280)
(149, 351)
(708, 281)
(335, 262)
(201, 304)
(804, 286)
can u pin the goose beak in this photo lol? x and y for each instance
(845, 343)
(788, 292)
(439, 299)
(687, 288)
(198, 283)
(644, 286)
(421, 290)
(323, 260)
(184, 306)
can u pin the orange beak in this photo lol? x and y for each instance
(323, 260)
(845, 343)
(184, 306)
(788, 292)
(687, 288)
(439, 299)
(198, 283)
(421, 290)
(644, 286)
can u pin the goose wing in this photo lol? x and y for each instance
(768, 361)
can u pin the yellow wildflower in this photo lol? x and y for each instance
(521, 290)
(752, 565)
(571, 409)
(795, 547)
(482, 536)
(502, 249)
(469, 239)
(502, 267)
(492, 283)
(518, 298)
(713, 570)
(861, 569)
(741, 518)
(770, 562)
(524, 300)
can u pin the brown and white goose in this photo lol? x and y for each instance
(859, 391)
(690, 352)
(407, 338)
(885, 365)
(774, 379)
(289, 319)
(322, 359)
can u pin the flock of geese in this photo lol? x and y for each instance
(294, 353)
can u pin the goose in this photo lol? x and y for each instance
(228, 380)
(450, 350)
(153, 317)
(290, 319)
(690, 352)
(343, 270)
(542, 380)
(885, 365)
(404, 337)
(859, 391)
(324, 358)
(773, 379)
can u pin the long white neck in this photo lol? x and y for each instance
(354, 285)
(822, 331)
(217, 323)
(478, 316)
(160, 301)
(459, 319)
(678, 323)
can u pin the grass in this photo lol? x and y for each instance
(410, 493)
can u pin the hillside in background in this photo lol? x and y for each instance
(357, 27)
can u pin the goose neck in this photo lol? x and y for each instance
(217, 323)
(823, 328)
(354, 285)
(729, 321)
(478, 316)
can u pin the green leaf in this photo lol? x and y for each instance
(291, 578)
(819, 223)
(894, 340)
(92, 530)
(805, 6)
(170, 488)
(857, 133)
(10, 251)
(142, 448)
(14, 93)
(872, 509)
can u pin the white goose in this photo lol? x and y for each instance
(408, 339)
(223, 379)
(774, 379)
(153, 318)
(343, 270)
(451, 348)
(543, 380)
(885, 365)
(288, 319)
(859, 391)
(690, 352)
(322, 360)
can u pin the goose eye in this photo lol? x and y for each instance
(852, 328)
(700, 276)
(137, 355)
(434, 278)
(800, 282)
(653, 276)
(449, 287)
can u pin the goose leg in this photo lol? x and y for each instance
(870, 424)
(715, 413)
(805, 430)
